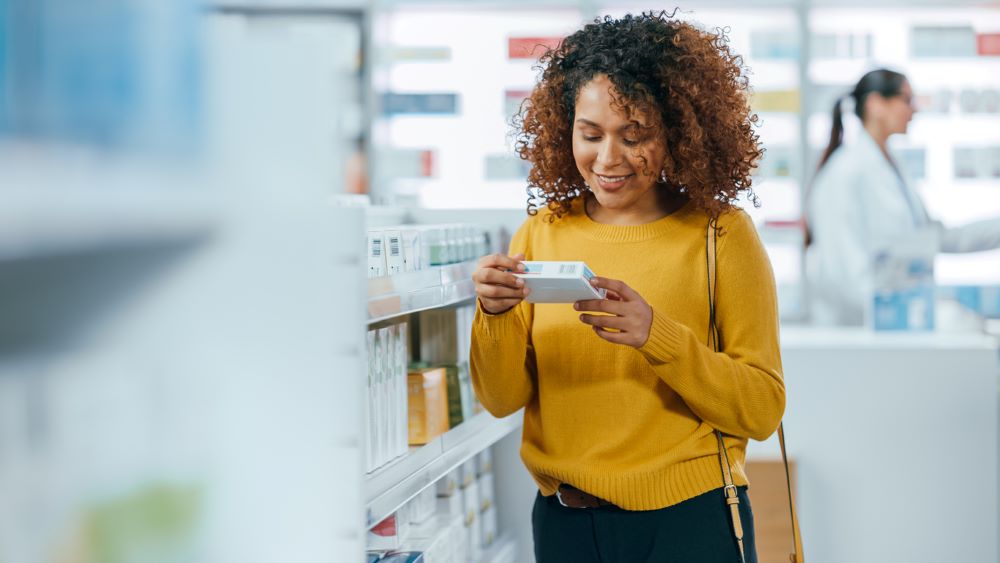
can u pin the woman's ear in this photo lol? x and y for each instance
(669, 166)
(874, 104)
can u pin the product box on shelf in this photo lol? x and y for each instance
(559, 282)
(455, 411)
(423, 506)
(439, 337)
(470, 502)
(488, 525)
(448, 485)
(440, 539)
(404, 517)
(376, 254)
(370, 454)
(428, 404)
(413, 259)
(459, 538)
(467, 473)
(487, 492)
(451, 505)
(455, 393)
(404, 557)
(400, 390)
(474, 535)
(384, 413)
(394, 252)
(484, 462)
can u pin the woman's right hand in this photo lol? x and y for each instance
(498, 289)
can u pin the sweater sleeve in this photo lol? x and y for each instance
(501, 358)
(739, 391)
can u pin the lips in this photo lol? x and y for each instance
(613, 182)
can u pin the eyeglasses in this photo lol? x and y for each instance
(907, 99)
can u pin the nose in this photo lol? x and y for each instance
(609, 154)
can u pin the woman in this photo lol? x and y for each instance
(861, 204)
(639, 134)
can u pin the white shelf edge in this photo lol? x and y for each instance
(411, 292)
(388, 488)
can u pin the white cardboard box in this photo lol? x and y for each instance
(559, 282)
(376, 254)
(393, 247)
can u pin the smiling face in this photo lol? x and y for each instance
(616, 156)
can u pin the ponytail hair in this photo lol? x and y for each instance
(836, 132)
(886, 83)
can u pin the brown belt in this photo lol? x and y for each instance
(571, 497)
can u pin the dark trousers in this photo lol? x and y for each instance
(698, 530)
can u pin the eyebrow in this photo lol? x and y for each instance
(631, 125)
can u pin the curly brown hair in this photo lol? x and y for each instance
(658, 65)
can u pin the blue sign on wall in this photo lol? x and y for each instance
(436, 104)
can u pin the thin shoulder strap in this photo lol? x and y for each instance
(732, 495)
(732, 498)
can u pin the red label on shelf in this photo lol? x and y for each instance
(530, 47)
(427, 164)
(988, 44)
(386, 527)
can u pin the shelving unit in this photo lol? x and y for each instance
(412, 292)
(60, 222)
(389, 487)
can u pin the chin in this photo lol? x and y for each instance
(611, 201)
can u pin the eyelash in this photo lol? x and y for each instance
(627, 142)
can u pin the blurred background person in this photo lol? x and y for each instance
(861, 202)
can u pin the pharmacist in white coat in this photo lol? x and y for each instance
(861, 203)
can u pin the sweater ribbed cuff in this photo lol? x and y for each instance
(664, 340)
(496, 326)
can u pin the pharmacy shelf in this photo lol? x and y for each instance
(61, 222)
(410, 292)
(391, 486)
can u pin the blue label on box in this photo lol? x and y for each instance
(587, 273)
(911, 309)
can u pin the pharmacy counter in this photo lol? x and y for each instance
(895, 440)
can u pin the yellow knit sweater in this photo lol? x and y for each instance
(635, 426)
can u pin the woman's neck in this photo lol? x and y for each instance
(665, 203)
(879, 135)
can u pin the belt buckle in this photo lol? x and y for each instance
(559, 497)
(562, 502)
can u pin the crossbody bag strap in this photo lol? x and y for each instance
(796, 555)
(732, 498)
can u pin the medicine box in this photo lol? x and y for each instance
(559, 282)
(428, 405)
(377, 266)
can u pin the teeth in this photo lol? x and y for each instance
(612, 179)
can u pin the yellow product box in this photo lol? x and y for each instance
(427, 394)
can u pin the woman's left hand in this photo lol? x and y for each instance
(629, 314)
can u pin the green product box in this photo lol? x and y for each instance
(455, 413)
